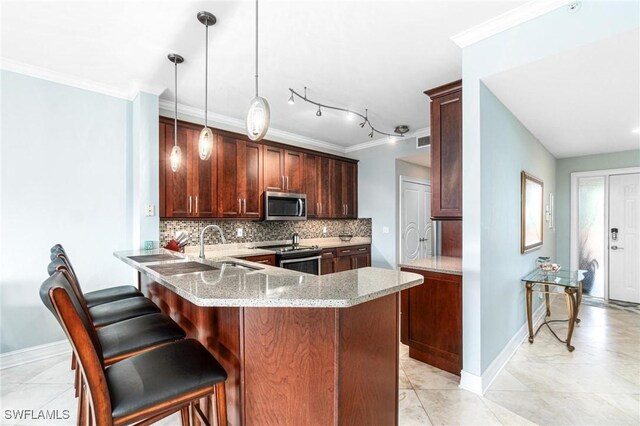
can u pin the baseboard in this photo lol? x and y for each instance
(34, 353)
(480, 384)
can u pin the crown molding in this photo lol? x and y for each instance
(510, 19)
(80, 83)
(424, 131)
(235, 124)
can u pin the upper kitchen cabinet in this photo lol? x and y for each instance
(283, 170)
(239, 178)
(446, 151)
(344, 189)
(311, 168)
(191, 191)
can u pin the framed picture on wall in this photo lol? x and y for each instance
(532, 211)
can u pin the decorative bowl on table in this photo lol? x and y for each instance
(345, 238)
(550, 267)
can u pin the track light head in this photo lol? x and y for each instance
(371, 134)
(363, 123)
(291, 100)
(319, 112)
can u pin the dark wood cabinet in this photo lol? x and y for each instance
(431, 320)
(239, 178)
(192, 190)
(283, 170)
(344, 186)
(265, 259)
(231, 183)
(345, 258)
(446, 151)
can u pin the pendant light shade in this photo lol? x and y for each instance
(175, 159)
(259, 114)
(258, 118)
(205, 142)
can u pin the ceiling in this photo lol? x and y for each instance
(376, 55)
(579, 102)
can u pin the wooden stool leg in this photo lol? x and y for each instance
(221, 404)
(77, 383)
(184, 416)
(80, 419)
(73, 361)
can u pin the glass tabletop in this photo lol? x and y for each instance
(560, 278)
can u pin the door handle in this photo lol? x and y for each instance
(282, 178)
(617, 248)
(287, 182)
(196, 204)
(239, 205)
(244, 200)
(190, 203)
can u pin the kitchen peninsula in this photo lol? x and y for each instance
(298, 348)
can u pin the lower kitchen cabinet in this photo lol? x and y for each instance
(431, 320)
(265, 259)
(345, 259)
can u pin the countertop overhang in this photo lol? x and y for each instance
(271, 286)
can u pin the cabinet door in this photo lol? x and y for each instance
(349, 189)
(203, 179)
(328, 262)
(274, 179)
(344, 263)
(361, 261)
(293, 169)
(229, 198)
(249, 179)
(446, 156)
(177, 183)
(311, 184)
(324, 180)
(337, 204)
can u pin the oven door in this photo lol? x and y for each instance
(309, 265)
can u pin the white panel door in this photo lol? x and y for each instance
(415, 222)
(624, 248)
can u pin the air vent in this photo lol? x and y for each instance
(423, 142)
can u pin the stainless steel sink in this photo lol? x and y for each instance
(146, 258)
(182, 268)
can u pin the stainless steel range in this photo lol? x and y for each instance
(297, 257)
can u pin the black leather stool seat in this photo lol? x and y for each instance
(120, 310)
(161, 375)
(111, 294)
(132, 335)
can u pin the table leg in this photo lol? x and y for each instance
(579, 300)
(571, 307)
(529, 287)
(546, 299)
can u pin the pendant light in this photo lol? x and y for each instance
(259, 115)
(205, 143)
(175, 158)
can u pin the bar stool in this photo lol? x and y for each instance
(143, 388)
(105, 313)
(96, 297)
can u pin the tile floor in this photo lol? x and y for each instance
(597, 384)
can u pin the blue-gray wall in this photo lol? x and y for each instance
(564, 168)
(485, 319)
(508, 149)
(377, 194)
(66, 177)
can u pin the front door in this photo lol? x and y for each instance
(624, 237)
(415, 222)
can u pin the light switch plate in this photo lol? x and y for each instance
(149, 210)
(239, 232)
(385, 229)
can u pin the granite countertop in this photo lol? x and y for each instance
(442, 264)
(253, 249)
(270, 286)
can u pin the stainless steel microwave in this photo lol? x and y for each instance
(284, 206)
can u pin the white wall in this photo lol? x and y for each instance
(64, 169)
(377, 194)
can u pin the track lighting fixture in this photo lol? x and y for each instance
(350, 114)
(291, 100)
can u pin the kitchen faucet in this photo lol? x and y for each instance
(202, 238)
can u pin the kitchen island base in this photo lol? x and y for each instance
(299, 366)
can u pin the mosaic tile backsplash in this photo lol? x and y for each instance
(262, 231)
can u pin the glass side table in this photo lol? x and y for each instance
(538, 281)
